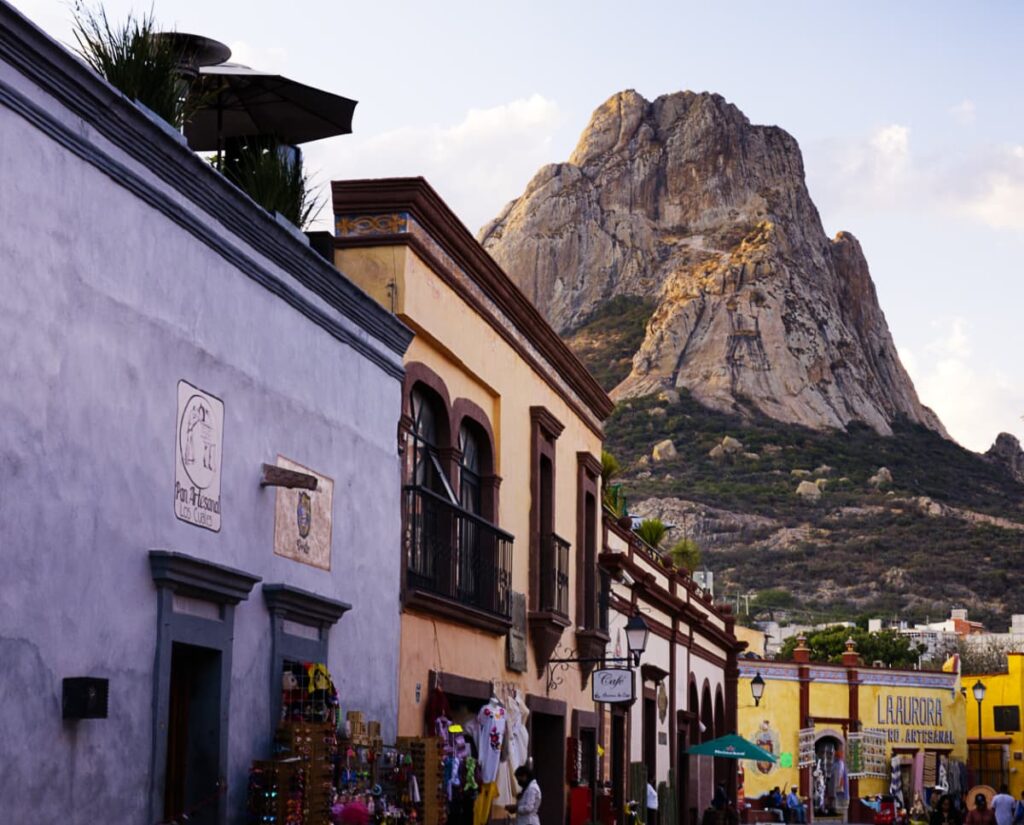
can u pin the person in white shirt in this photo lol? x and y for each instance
(529, 798)
(1003, 806)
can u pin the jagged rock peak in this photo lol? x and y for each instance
(1006, 451)
(682, 201)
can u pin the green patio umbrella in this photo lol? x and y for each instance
(733, 747)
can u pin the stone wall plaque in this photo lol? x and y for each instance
(198, 442)
(303, 519)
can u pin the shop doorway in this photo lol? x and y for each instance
(192, 779)
(827, 750)
(650, 731)
(618, 756)
(547, 743)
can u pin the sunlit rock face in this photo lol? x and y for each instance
(683, 200)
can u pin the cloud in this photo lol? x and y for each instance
(963, 112)
(873, 171)
(881, 171)
(995, 194)
(974, 400)
(474, 163)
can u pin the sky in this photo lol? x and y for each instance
(909, 115)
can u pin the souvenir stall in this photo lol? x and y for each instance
(323, 764)
(471, 755)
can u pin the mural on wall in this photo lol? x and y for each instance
(766, 738)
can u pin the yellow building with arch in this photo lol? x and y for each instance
(824, 719)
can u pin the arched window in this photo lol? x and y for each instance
(426, 471)
(470, 469)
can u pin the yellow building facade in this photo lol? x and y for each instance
(998, 756)
(824, 721)
(501, 437)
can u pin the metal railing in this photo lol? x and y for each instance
(554, 574)
(456, 554)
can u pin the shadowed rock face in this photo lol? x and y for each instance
(1007, 451)
(684, 201)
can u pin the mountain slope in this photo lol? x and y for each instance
(683, 202)
(947, 529)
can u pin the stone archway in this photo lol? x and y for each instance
(828, 771)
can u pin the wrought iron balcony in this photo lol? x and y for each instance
(554, 574)
(455, 554)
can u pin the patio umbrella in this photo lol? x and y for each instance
(733, 747)
(244, 103)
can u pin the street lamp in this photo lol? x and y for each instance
(757, 688)
(978, 690)
(636, 637)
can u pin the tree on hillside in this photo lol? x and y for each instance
(887, 646)
(982, 657)
(775, 598)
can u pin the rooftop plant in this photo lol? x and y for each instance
(133, 57)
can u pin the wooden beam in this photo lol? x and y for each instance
(274, 476)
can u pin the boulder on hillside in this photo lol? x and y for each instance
(823, 470)
(882, 478)
(664, 450)
(752, 456)
(656, 412)
(808, 491)
(732, 445)
(716, 453)
(671, 396)
(821, 483)
(798, 473)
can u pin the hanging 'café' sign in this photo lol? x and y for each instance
(613, 685)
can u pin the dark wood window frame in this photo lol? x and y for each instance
(546, 624)
(591, 632)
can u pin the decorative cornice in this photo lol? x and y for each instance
(547, 422)
(415, 197)
(302, 606)
(837, 674)
(84, 94)
(200, 578)
(589, 463)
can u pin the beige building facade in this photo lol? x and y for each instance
(501, 439)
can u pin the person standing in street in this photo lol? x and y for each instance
(945, 812)
(981, 813)
(798, 814)
(1003, 806)
(1018, 811)
(528, 806)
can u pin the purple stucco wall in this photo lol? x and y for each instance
(105, 304)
